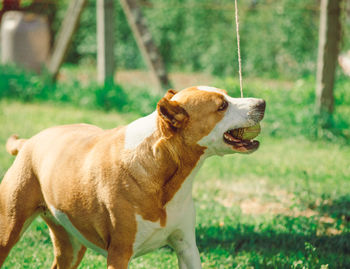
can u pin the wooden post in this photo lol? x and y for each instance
(328, 49)
(144, 40)
(105, 40)
(64, 36)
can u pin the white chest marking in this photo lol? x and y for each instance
(180, 216)
(63, 219)
(140, 129)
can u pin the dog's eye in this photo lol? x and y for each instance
(223, 106)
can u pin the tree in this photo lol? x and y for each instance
(328, 50)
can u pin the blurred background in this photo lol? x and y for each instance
(107, 62)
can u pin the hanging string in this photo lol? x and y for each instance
(238, 50)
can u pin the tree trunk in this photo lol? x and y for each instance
(105, 41)
(65, 35)
(145, 42)
(328, 49)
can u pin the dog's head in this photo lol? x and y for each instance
(209, 117)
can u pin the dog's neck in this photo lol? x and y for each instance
(162, 164)
(159, 165)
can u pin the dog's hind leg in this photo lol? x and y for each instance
(20, 201)
(67, 249)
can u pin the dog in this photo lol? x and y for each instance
(126, 191)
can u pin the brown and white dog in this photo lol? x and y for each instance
(126, 191)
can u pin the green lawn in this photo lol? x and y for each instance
(285, 206)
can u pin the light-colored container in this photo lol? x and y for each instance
(25, 39)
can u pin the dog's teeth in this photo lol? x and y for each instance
(229, 137)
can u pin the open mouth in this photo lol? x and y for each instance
(241, 139)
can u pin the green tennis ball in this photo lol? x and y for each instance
(251, 132)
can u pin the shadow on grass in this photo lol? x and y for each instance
(269, 247)
(338, 208)
(242, 238)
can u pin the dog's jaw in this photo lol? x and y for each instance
(240, 113)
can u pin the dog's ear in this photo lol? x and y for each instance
(170, 93)
(172, 113)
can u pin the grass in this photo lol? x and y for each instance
(285, 206)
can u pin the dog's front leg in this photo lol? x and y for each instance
(184, 244)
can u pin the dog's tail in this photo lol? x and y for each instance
(14, 144)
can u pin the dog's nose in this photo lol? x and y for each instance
(261, 105)
(258, 111)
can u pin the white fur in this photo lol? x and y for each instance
(63, 220)
(140, 129)
(179, 229)
(208, 89)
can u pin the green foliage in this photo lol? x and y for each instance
(25, 86)
(21, 85)
(84, 45)
(25, 3)
(278, 38)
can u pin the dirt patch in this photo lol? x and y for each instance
(139, 78)
(259, 198)
(178, 80)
